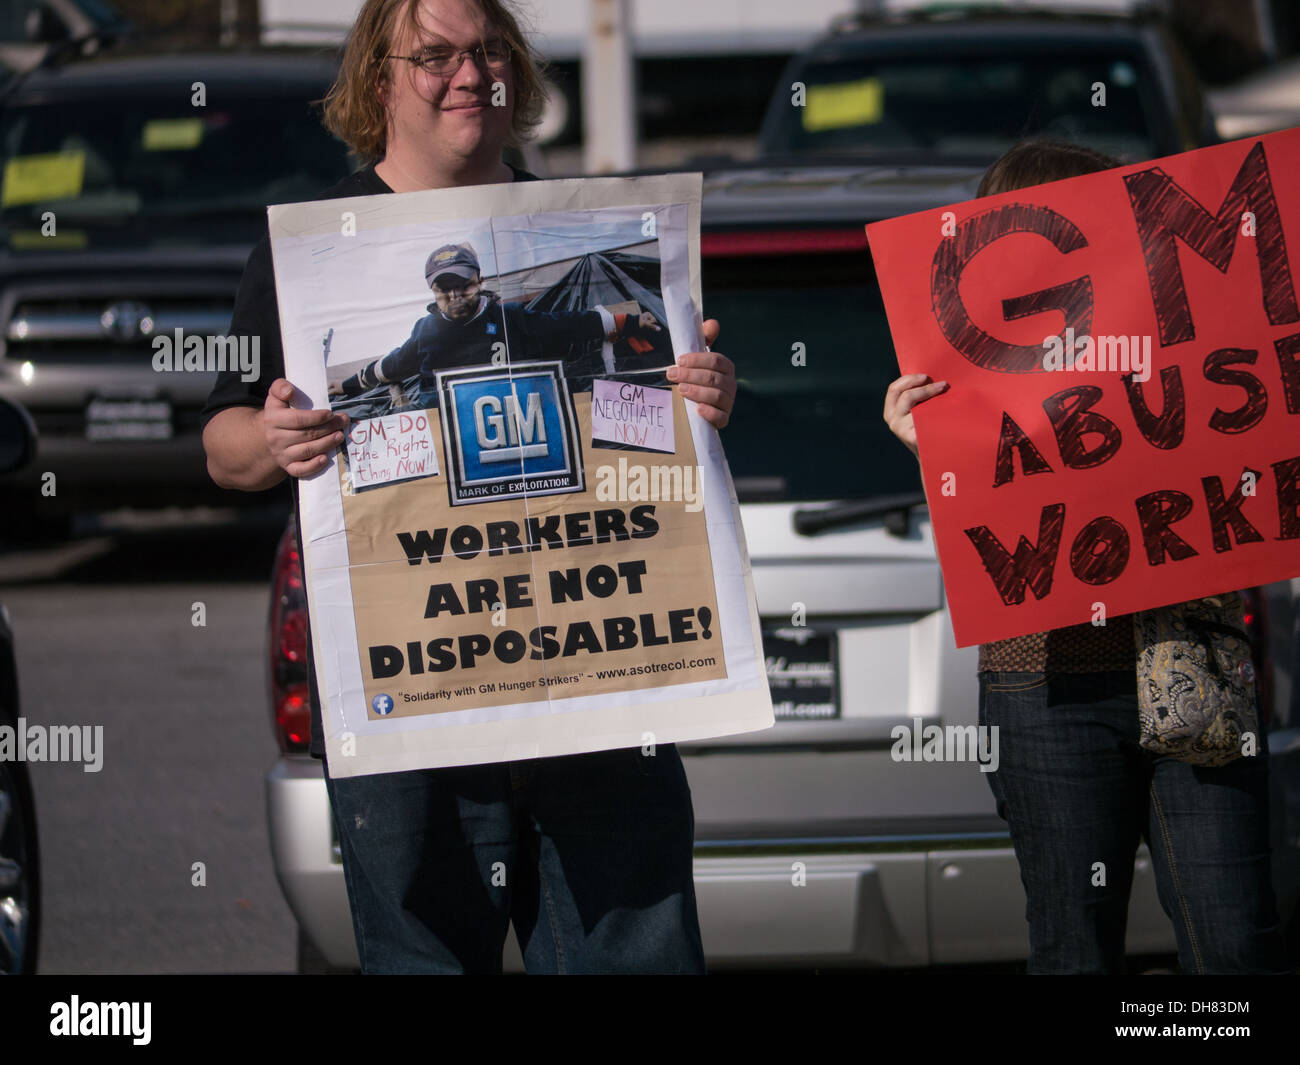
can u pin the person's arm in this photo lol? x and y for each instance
(627, 325)
(597, 323)
(900, 399)
(252, 437)
(399, 364)
(707, 377)
(237, 454)
(252, 450)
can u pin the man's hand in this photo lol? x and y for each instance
(335, 389)
(299, 440)
(647, 321)
(901, 397)
(708, 378)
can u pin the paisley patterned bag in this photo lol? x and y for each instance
(1196, 680)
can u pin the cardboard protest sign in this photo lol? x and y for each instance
(1122, 429)
(530, 545)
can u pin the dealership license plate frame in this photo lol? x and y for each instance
(795, 692)
(129, 417)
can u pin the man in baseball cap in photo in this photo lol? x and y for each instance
(455, 260)
(452, 272)
(467, 326)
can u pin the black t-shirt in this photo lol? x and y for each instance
(258, 314)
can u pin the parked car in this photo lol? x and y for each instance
(134, 190)
(31, 29)
(899, 864)
(968, 87)
(1260, 103)
(20, 864)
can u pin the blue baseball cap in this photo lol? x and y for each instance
(458, 260)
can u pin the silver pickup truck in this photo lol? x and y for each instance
(814, 847)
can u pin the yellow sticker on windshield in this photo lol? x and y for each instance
(172, 134)
(37, 178)
(31, 239)
(850, 103)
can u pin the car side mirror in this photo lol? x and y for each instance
(17, 436)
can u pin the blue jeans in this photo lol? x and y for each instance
(589, 855)
(1076, 789)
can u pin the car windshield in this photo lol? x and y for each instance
(132, 160)
(813, 358)
(966, 106)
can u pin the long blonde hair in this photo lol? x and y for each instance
(354, 111)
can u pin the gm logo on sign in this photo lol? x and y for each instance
(509, 433)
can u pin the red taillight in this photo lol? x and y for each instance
(293, 718)
(784, 241)
(292, 568)
(290, 699)
(293, 637)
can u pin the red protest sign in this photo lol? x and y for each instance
(1122, 429)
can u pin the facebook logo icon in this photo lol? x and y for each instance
(382, 704)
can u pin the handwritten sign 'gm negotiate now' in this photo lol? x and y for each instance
(1122, 429)
(632, 414)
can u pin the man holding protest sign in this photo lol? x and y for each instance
(1076, 785)
(590, 856)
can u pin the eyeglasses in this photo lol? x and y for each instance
(441, 62)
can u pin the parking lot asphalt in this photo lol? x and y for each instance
(157, 862)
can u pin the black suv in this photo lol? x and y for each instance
(966, 88)
(134, 189)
